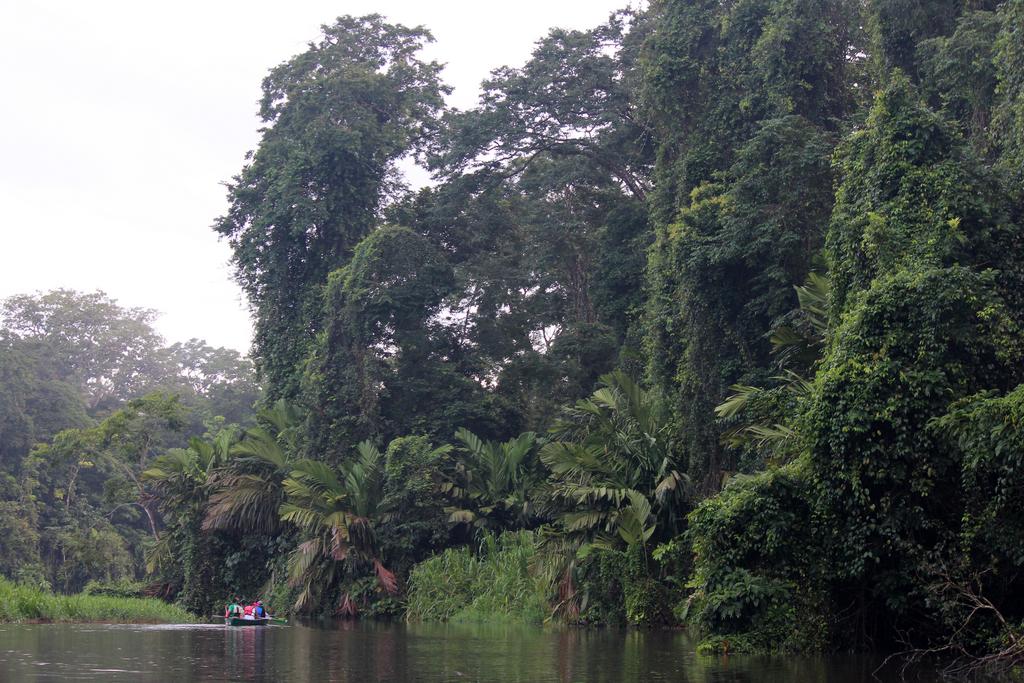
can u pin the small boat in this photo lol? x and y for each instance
(239, 621)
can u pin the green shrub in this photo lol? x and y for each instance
(125, 588)
(601, 578)
(25, 603)
(649, 603)
(619, 587)
(756, 555)
(494, 585)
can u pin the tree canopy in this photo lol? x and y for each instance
(337, 117)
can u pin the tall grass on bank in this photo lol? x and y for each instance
(493, 585)
(25, 603)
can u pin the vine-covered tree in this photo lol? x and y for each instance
(802, 218)
(920, 321)
(573, 98)
(1009, 115)
(541, 214)
(337, 117)
(382, 366)
(746, 98)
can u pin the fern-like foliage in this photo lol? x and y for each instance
(336, 511)
(615, 474)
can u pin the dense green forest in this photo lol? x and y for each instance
(710, 316)
(90, 397)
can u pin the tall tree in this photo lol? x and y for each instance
(745, 98)
(381, 368)
(88, 481)
(220, 379)
(898, 26)
(541, 214)
(110, 353)
(35, 403)
(338, 117)
(958, 72)
(1009, 115)
(573, 98)
(920, 320)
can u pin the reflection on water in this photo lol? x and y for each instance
(361, 652)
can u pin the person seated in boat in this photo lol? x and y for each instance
(258, 611)
(247, 613)
(234, 609)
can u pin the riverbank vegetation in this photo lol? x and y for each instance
(492, 583)
(22, 603)
(712, 316)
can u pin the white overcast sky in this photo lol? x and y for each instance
(120, 120)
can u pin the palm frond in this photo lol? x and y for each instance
(317, 475)
(259, 444)
(386, 578)
(243, 502)
(737, 402)
(302, 559)
(813, 297)
(471, 441)
(158, 555)
(302, 517)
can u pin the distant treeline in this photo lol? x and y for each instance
(89, 394)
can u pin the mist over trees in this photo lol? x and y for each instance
(715, 308)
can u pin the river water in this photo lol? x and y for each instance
(359, 652)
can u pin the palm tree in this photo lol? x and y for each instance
(777, 437)
(180, 481)
(798, 347)
(247, 494)
(615, 480)
(336, 512)
(492, 485)
(799, 343)
(614, 470)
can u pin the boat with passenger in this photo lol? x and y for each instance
(253, 614)
(242, 621)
